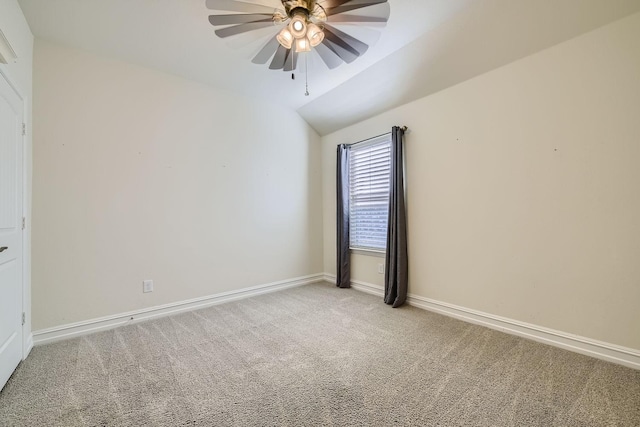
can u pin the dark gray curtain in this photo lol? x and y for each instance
(343, 273)
(397, 270)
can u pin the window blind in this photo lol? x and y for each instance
(369, 169)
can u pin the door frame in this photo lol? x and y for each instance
(27, 336)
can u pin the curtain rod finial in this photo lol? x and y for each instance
(404, 128)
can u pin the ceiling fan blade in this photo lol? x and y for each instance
(252, 41)
(277, 63)
(329, 57)
(340, 51)
(328, 4)
(238, 6)
(239, 18)
(345, 41)
(356, 18)
(353, 5)
(242, 28)
(266, 52)
(291, 62)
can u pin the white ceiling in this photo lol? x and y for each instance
(426, 46)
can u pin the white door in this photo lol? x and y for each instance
(10, 230)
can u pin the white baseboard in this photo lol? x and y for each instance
(587, 346)
(28, 346)
(72, 330)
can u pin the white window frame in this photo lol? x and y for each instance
(367, 183)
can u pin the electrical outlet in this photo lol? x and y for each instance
(147, 286)
(380, 268)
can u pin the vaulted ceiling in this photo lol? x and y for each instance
(427, 45)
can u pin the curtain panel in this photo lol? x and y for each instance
(343, 272)
(397, 269)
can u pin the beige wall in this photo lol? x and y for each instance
(15, 28)
(142, 175)
(523, 189)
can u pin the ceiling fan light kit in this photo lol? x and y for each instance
(307, 25)
(306, 33)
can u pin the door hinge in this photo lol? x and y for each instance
(24, 129)
(24, 317)
(24, 223)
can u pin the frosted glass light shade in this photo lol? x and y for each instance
(315, 35)
(303, 45)
(298, 25)
(285, 38)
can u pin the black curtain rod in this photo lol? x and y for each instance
(404, 128)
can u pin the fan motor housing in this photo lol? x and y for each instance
(291, 5)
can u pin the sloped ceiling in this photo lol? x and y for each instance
(428, 45)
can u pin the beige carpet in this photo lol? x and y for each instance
(314, 355)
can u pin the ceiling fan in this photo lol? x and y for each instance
(300, 26)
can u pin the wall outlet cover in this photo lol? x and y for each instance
(147, 286)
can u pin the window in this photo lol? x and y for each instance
(369, 164)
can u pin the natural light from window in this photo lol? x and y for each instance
(369, 164)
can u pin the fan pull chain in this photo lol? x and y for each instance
(306, 75)
(293, 70)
